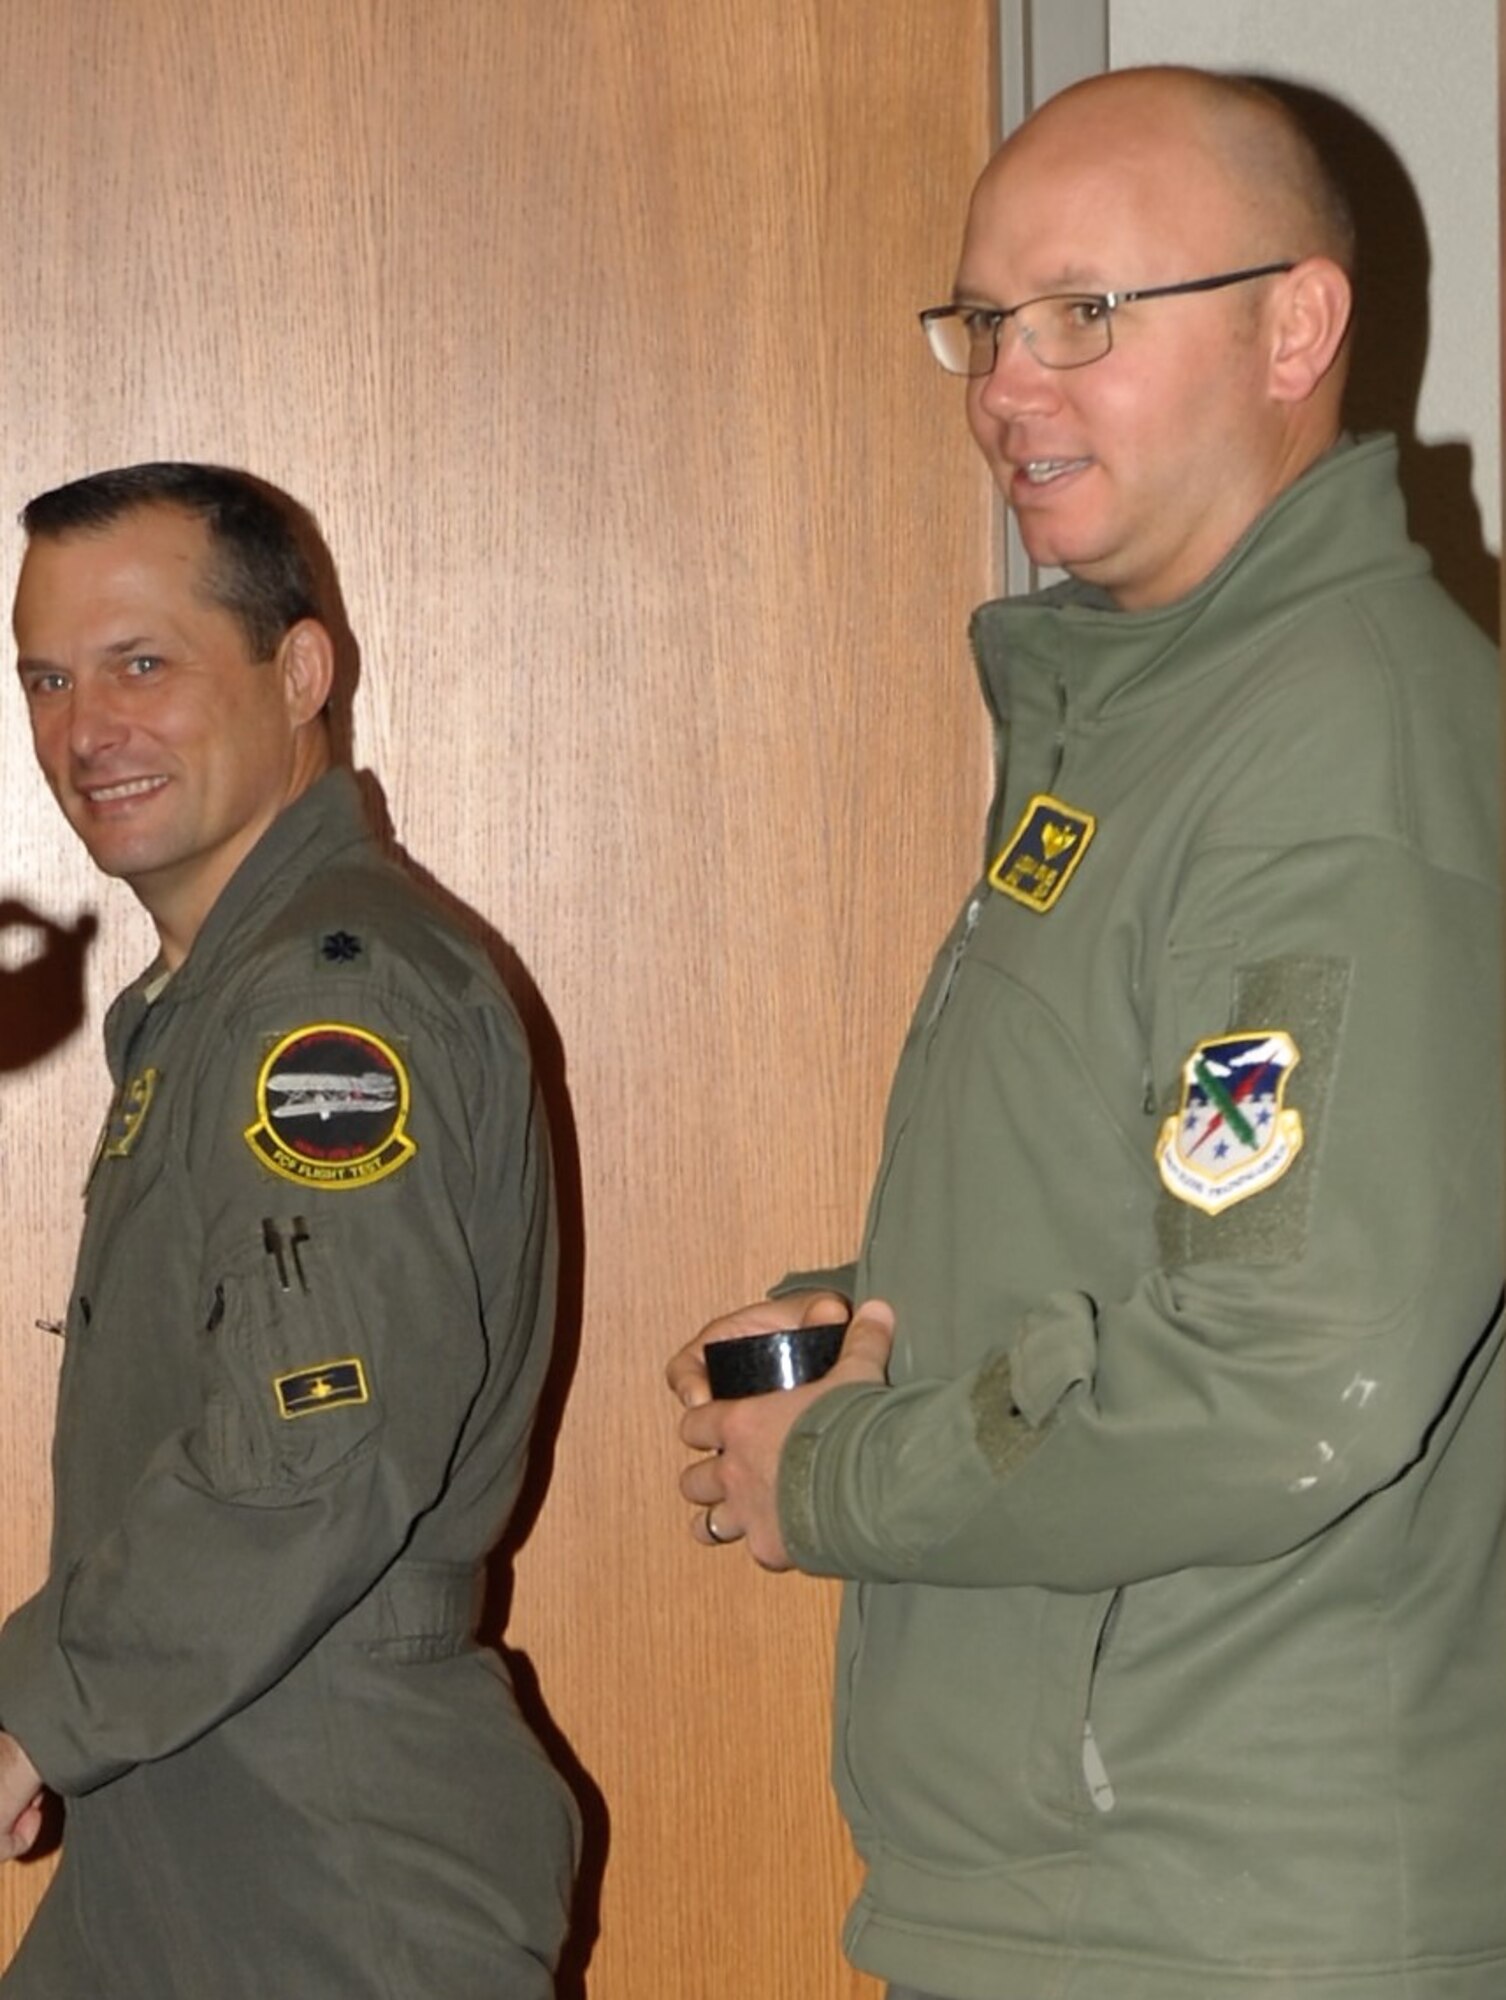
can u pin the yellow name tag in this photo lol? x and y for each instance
(323, 1388)
(1042, 854)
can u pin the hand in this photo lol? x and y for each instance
(737, 1485)
(20, 1800)
(686, 1373)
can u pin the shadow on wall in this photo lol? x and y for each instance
(41, 982)
(1391, 345)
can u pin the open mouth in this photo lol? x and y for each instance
(1045, 471)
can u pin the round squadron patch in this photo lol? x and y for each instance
(1231, 1135)
(331, 1105)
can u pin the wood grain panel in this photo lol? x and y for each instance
(585, 328)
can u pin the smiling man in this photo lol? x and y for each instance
(1164, 1459)
(311, 1315)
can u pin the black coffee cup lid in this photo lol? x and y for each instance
(755, 1363)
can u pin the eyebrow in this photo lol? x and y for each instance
(1071, 283)
(118, 649)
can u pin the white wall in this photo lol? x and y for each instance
(1423, 73)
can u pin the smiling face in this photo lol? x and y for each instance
(168, 746)
(1140, 471)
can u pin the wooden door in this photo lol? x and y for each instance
(585, 327)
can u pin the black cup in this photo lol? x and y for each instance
(754, 1363)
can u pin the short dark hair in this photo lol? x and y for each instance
(258, 571)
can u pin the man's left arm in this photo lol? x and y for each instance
(342, 1354)
(1292, 1357)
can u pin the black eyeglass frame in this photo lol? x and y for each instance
(1110, 301)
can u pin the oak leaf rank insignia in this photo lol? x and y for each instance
(331, 1108)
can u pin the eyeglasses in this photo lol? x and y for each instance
(1062, 330)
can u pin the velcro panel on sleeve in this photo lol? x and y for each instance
(1016, 1394)
(1304, 997)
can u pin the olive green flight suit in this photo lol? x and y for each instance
(310, 1321)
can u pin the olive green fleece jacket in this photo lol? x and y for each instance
(1173, 1656)
(312, 1310)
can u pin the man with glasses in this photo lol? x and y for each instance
(1171, 1656)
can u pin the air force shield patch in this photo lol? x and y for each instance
(1232, 1135)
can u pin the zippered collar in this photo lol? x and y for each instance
(321, 824)
(1341, 524)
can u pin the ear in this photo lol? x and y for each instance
(306, 661)
(1311, 318)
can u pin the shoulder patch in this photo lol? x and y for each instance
(1038, 860)
(331, 1107)
(326, 1387)
(1231, 1135)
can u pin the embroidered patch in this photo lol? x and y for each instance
(326, 1387)
(1232, 1135)
(128, 1115)
(331, 1104)
(1036, 863)
(340, 947)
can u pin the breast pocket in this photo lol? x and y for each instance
(1195, 1000)
(291, 1387)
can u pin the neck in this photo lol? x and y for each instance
(178, 900)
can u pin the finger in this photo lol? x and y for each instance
(24, 1833)
(712, 1527)
(686, 1376)
(870, 1337)
(825, 1309)
(701, 1483)
(701, 1426)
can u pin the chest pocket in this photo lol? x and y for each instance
(291, 1389)
(1196, 1000)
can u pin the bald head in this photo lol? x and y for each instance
(1193, 221)
(1288, 199)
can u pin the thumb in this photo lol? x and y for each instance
(870, 1336)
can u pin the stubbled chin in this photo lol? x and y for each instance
(115, 839)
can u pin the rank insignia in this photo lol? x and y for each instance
(1036, 863)
(340, 947)
(326, 1387)
(331, 1105)
(127, 1115)
(1232, 1135)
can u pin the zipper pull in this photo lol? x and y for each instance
(958, 952)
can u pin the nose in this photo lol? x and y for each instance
(1017, 382)
(96, 723)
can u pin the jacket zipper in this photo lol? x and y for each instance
(1059, 741)
(1094, 1770)
(954, 958)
